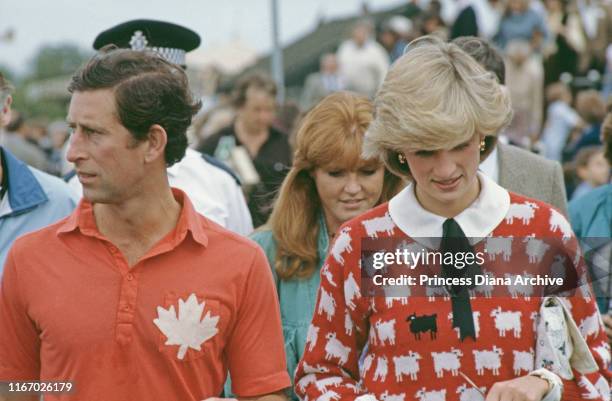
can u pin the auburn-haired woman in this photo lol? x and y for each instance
(437, 115)
(328, 184)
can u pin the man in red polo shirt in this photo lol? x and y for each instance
(135, 296)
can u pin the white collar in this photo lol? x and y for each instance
(174, 170)
(477, 221)
(490, 165)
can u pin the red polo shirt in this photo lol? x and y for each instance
(199, 302)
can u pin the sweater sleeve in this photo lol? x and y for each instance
(338, 332)
(594, 385)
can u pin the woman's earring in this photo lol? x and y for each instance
(401, 158)
(483, 145)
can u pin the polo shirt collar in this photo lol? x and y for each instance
(477, 221)
(24, 191)
(189, 221)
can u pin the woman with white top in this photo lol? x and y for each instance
(436, 116)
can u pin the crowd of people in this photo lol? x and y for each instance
(558, 71)
(151, 250)
(557, 68)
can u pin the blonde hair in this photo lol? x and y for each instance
(435, 97)
(331, 132)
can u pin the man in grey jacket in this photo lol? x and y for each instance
(513, 168)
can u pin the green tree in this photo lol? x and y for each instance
(6, 71)
(43, 93)
(57, 60)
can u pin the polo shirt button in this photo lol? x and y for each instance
(126, 308)
(130, 277)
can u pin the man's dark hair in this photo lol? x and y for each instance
(148, 90)
(258, 81)
(485, 54)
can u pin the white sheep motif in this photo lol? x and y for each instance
(386, 331)
(311, 337)
(392, 397)
(535, 249)
(335, 349)
(515, 289)
(367, 364)
(351, 291)
(381, 369)
(603, 350)
(470, 393)
(342, 244)
(558, 222)
(447, 361)
(488, 359)
(348, 324)
(523, 361)
(315, 369)
(377, 225)
(523, 211)
(485, 289)
(589, 325)
(433, 395)
(328, 275)
(499, 246)
(327, 304)
(407, 365)
(507, 320)
(322, 384)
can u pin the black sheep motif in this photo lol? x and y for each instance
(422, 324)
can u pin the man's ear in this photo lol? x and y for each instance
(5, 113)
(157, 138)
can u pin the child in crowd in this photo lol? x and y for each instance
(591, 169)
(561, 120)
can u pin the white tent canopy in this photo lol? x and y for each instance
(229, 58)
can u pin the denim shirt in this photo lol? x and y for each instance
(591, 218)
(34, 200)
(297, 297)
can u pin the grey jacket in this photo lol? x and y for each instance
(531, 175)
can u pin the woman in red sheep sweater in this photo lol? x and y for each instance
(437, 115)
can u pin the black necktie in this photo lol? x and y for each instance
(455, 241)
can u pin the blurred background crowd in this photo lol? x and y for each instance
(558, 67)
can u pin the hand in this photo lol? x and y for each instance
(524, 388)
(607, 319)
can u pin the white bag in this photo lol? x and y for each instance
(559, 344)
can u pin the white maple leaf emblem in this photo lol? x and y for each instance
(186, 331)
